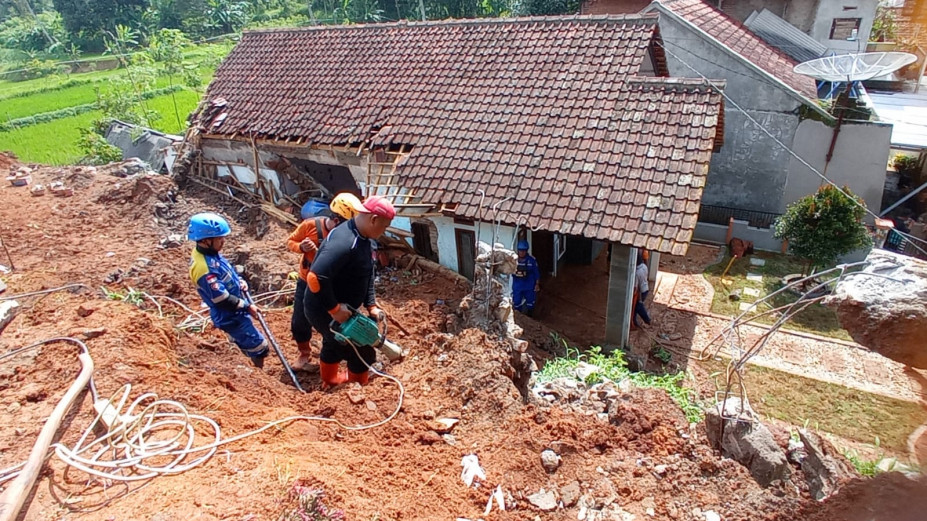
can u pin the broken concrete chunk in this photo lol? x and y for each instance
(884, 307)
(569, 493)
(746, 441)
(824, 469)
(543, 500)
(8, 311)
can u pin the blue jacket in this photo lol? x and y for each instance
(218, 285)
(527, 274)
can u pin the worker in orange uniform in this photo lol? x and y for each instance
(341, 278)
(306, 239)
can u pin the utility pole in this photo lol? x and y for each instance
(27, 12)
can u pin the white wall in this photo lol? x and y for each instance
(860, 156)
(830, 9)
(447, 245)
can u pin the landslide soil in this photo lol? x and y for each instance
(110, 234)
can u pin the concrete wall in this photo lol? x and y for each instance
(750, 171)
(241, 158)
(742, 9)
(447, 245)
(860, 156)
(710, 233)
(800, 13)
(829, 9)
(762, 238)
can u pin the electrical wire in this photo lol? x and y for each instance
(789, 150)
(141, 435)
(44, 291)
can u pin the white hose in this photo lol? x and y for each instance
(138, 437)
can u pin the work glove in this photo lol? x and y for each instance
(307, 245)
(341, 315)
(376, 313)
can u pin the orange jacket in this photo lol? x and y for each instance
(312, 229)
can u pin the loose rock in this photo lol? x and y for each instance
(550, 460)
(747, 441)
(569, 494)
(543, 500)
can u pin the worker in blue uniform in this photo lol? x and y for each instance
(221, 288)
(525, 280)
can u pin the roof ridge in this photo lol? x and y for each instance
(635, 18)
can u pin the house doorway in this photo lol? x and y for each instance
(466, 252)
(421, 241)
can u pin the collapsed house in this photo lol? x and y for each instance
(566, 132)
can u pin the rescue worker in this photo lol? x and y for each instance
(641, 289)
(342, 275)
(221, 288)
(525, 281)
(306, 239)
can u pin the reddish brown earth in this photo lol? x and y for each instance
(401, 470)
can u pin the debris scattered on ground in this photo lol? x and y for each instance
(624, 452)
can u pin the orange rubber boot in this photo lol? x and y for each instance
(361, 378)
(332, 374)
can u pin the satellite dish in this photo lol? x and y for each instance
(855, 67)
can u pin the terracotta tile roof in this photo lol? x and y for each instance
(547, 112)
(744, 42)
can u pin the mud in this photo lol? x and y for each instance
(647, 461)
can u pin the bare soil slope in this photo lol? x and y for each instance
(110, 233)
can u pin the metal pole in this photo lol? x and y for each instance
(903, 199)
(273, 343)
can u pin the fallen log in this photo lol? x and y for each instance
(433, 267)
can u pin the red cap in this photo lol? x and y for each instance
(379, 206)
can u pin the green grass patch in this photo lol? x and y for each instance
(186, 102)
(53, 143)
(9, 88)
(832, 408)
(614, 367)
(815, 318)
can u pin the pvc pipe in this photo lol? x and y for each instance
(11, 502)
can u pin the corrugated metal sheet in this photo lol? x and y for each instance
(784, 36)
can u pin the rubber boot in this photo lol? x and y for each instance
(305, 354)
(332, 374)
(361, 378)
(258, 361)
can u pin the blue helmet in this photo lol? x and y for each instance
(522, 245)
(207, 225)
